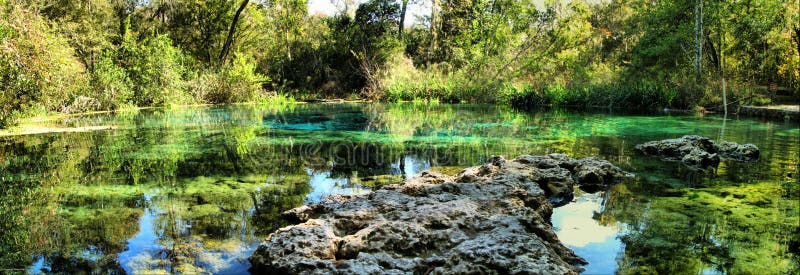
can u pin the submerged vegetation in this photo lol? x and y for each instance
(77, 56)
(196, 189)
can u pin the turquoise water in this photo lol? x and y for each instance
(194, 190)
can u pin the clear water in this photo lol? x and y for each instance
(194, 190)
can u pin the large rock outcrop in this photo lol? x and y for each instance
(492, 218)
(699, 152)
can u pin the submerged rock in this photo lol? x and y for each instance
(700, 158)
(744, 152)
(492, 218)
(699, 152)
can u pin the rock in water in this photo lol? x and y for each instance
(698, 152)
(699, 158)
(744, 152)
(492, 218)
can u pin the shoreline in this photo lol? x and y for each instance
(38, 124)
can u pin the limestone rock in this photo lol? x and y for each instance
(698, 152)
(492, 218)
(744, 152)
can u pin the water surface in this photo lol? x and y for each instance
(194, 190)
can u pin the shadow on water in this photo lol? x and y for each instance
(195, 190)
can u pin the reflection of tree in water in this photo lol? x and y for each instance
(45, 212)
(285, 193)
(201, 221)
(79, 197)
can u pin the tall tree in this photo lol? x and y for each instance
(226, 47)
(698, 40)
(433, 29)
(403, 9)
(797, 38)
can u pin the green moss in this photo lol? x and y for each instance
(377, 181)
(447, 170)
(91, 194)
(746, 229)
(203, 210)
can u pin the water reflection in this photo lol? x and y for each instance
(322, 185)
(194, 190)
(597, 241)
(141, 249)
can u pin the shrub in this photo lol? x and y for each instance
(239, 82)
(111, 82)
(156, 71)
(38, 69)
(761, 100)
(644, 95)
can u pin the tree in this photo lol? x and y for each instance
(226, 47)
(38, 67)
(698, 39)
(403, 12)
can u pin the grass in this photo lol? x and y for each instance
(638, 96)
(457, 90)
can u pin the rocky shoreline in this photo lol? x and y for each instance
(493, 218)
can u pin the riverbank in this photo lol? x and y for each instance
(784, 112)
(60, 122)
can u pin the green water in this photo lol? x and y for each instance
(194, 190)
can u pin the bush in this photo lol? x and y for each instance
(237, 82)
(38, 69)
(761, 101)
(644, 95)
(112, 85)
(156, 71)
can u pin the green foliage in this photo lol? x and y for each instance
(114, 88)
(198, 27)
(37, 67)
(760, 101)
(238, 82)
(156, 70)
(90, 26)
(74, 56)
(645, 95)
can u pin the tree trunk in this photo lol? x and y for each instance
(720, 61)
(797, 39)
(225, 48)
(698, 40)
(713, 51)
(400, 28)
(288, 47)
(433, 28)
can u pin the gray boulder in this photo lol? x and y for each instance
(698, 152)
(700, 158)
(744, 152)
